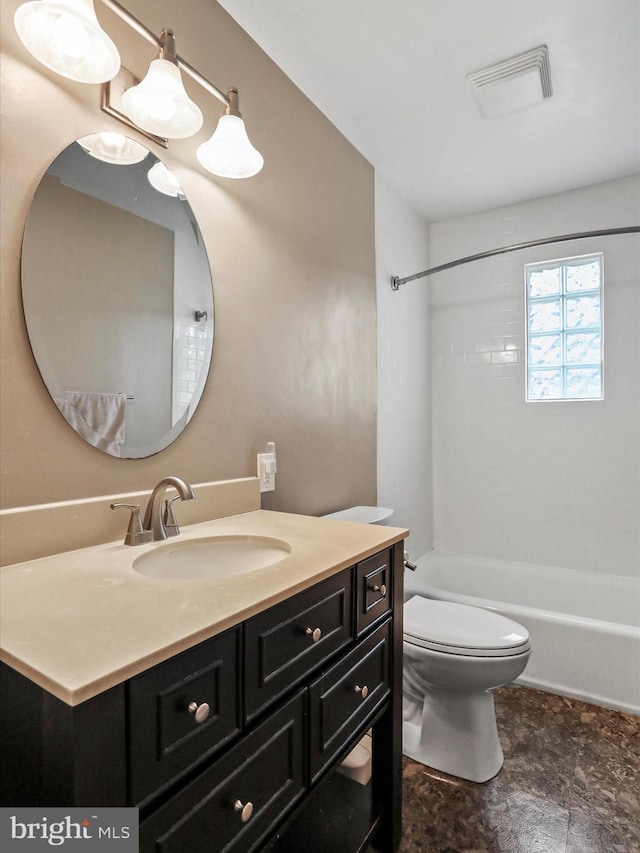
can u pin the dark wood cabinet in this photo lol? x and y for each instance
(286, 642)
(374, 589)
(233, 804)
(182, 711)
(288, 694)
(346, 696)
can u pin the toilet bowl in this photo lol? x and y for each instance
(455, 655)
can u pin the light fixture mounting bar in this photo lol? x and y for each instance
(150, 36)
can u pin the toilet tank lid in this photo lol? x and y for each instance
(461, 625)
(362, 514)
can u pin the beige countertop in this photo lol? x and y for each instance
(81, 622)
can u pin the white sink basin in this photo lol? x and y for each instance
(211, 557)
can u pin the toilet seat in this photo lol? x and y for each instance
(461, 629)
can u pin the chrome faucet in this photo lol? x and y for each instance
(156, 512)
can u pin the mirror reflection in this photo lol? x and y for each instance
(117, 295)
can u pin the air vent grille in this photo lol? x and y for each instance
(517, 82)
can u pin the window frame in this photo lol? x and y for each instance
(563, 295)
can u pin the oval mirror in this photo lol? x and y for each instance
(117, 295)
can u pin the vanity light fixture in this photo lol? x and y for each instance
(113, 148)
(163, 180)
(160, 104)
(66, 37)
(229, 153)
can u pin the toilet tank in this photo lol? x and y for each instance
(362, 514)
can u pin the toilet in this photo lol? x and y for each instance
(454, 656)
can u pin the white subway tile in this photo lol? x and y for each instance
(547, 481)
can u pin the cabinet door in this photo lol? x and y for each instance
(374, 589)
(344, 697)
(233, 804)
(283, 644)
(169, 727)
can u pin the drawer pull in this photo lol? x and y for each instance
(245, 809)
(363, 691)
(201, 712)
(381, 589)
(314, 633)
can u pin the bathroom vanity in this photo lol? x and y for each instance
(234, 742)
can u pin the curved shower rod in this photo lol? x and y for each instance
(607, 232)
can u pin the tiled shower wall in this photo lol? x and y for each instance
(554, 483)
(404, 376)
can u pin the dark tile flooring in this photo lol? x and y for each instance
(570, 783)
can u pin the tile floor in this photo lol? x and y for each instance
(570, 784)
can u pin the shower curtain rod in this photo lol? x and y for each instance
(607, 232)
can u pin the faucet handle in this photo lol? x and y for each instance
(136, 534)
(169, 518)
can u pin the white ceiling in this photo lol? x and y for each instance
(391, 75)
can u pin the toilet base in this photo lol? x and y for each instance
(454, 732)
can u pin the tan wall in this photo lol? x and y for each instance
(292, 255)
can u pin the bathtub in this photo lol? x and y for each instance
(584, 626)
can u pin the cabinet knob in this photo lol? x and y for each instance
(363, 691)
(381, 589)
(245, 809)
(201, 712)
(314, 633)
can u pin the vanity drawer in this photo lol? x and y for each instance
(283, 644)
(265, 769)
(345, 695)
(374, 589)
(165, 734)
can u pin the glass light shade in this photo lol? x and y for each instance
(66, 36)
(113, 148)
(163, 180)
(229, 153)
(160, 104)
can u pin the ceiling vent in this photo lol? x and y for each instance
(513, 84)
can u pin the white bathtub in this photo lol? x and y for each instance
(584, 626)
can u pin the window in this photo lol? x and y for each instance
(564, 329)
